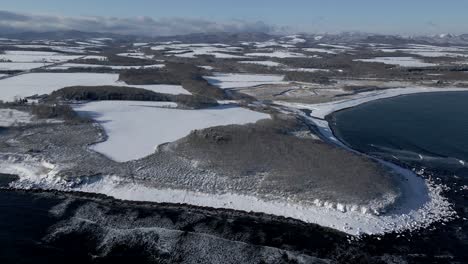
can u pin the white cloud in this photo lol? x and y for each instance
(15, 22)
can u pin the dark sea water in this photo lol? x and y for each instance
(425, 132)
(426, 129)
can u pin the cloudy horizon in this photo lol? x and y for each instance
(157, 18)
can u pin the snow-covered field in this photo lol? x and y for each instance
(95, 57)
(136, 55)
(319, 50)
(12, 117)
(221, 51)
(35, 56)
(67, 66)
(21, 66)
(71, 49)
(277, 54)
(430, 51)
(232, 80)
(400, 61)
(44, 83)
(149, 124)
(294, 39)
(335, 46)
(306, 69)
(264, 63)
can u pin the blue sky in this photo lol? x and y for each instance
(377, 16)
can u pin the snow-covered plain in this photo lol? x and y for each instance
(295, 39)
(221, 51)
(232, 80)
(67, 66)
(217, 52)
(12, 117)
(136, 55)
(429, 50)
(335, 46)
(319, 50)
(21, 66)
(277, 54)
(149, 124)
(400, 61)
(44, 83)
(95, 57)
(264, 63)
(306, 69)
(35, 56)
(71, 49)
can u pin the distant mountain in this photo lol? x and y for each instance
(221, 37)
(229, 38)
(61, 35)
(355, 37)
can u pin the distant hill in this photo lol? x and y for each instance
(226, 37)
(62, 35)
(222, 37)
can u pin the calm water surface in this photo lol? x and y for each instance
(427, 129)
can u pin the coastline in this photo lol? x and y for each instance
(354, 221)
(318, 115)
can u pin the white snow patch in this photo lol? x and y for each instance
(232, 80)
(277, 54)
(136, 55)
(197, 49)
(12, 117)
(21, 66)
(71, 49)
(335, 46)
(430, 51)
(140, 44)
(209, 68)
(44, 83)
(95, 57)
(150, 124)
(264, 63)
(306, 70)
(35, 56)
(319, 50)
(294, 39)
(400, 61)
(67, 66)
